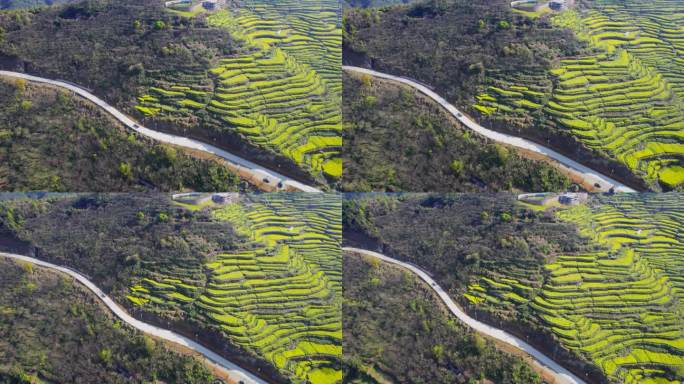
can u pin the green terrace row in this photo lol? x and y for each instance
(625, 103)
(651, 35)
(310, 34)
(611, 103)
(279, 294)
(309, 31)
(651, 31)
(619, 307)
(275, 96)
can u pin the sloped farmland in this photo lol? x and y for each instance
(625, 101)
(276, 295)
(281, 93)
(618, 304)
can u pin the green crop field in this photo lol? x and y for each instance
(283, 93)
(625, 101)
(620, 303)
(277, 294)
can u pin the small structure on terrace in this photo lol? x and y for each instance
(550, 199)
(572, 198)
(210, 5)
(225, 198)
(178, 3)
(557, 5)
(538, 198)
(540, 7)
(191, 197)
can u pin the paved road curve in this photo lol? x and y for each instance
(257, 172)
(232, 370)
(562, 375)
(591, 176)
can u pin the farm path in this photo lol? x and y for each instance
(232, 370)
(561, 375)
(251, 171)
(590, 176)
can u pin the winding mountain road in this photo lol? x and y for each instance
(591, 176)
(253, 172)
(561, 375)
(232, 370)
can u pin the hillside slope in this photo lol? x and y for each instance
(395, 139)
(599, 83)
(257, 280)
(464, 240)
(53, 140)
(386, 309)
(17, 4)
(619, 303)
(53, 330)
(373, 3)
(182, 73)
(596, 285)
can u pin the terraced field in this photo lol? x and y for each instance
(283, 94)
(308, 30)
(619, 305)
(278, 294)
(625, 102)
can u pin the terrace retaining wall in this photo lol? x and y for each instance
(216, 342)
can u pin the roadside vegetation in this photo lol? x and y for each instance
(386, 309)
(395, 139)
(624, 101)
(257, 280)
(618, 305)
(53, 140)
(599, 82)
(454, 46)
(261, 81)
(52, 330)
(282, 93)
(597, 286)
(464, 238)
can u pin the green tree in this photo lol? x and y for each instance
(126, 171)
(370, 101)
(503, 24)
(106, 356)
(479, 343)
(55, 183)
(20, 85)
(159, 25)
(438, 351)
(367, 80)
(141, 217)
(163, 217)
(457, 167)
